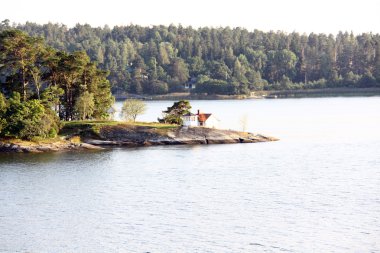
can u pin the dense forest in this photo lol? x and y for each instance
(162, 59)
(39, 86)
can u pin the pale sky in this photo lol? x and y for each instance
(327, 16)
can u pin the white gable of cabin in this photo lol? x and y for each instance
(191, 120)
(211, 122)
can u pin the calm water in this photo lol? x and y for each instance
(317, 190)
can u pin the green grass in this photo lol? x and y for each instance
(151, 124)
(76, 123)
(88, 128)
(87, 123)
(80, 127)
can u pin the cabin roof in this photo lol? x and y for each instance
(202, 117)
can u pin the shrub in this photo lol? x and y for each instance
(29, 119)
(132, 108)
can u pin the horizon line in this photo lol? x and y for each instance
(195, 27)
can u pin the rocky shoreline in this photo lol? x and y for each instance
(35, 147)
(132, 136)
(146, 136)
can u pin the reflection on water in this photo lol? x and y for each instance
(317, 190)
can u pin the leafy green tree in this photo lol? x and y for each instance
(139, 75)
(3, 104)
(240, 81)
(257, 59)
(285, 83)
(152, 69)
(196, 66)
(84, 105)
(103, 99)
(18, 54)
(239, 72)
(173, 114)
(280, 63)
(351, 79)
(219, 70)
(38, 121)
(3, 109)
(156, 87)
(76, 74)
(29, 119)
(132, 108)
(165, 51)
(255, 80)
(14, 115)
(214, 86)
(71, 69)
(50, 97)
(179, 70)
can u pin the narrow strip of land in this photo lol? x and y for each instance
(94, 135)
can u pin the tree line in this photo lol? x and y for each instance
(41, 86)
(161, 59)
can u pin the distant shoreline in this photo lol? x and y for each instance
(327, 92)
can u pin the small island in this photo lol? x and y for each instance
(95, 135)
(98, 135)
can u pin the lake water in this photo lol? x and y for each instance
(316, 190)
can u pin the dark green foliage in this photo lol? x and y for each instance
(145, 59)
(53, 85)
(28, 119)
(3, 109)
(3, 104)
(156, 87)
(50, 97)
(57, 78)
(84, 105)
(174, 113)
(20, 56)
(214, 86)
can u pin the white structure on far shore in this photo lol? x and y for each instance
(200, 120)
